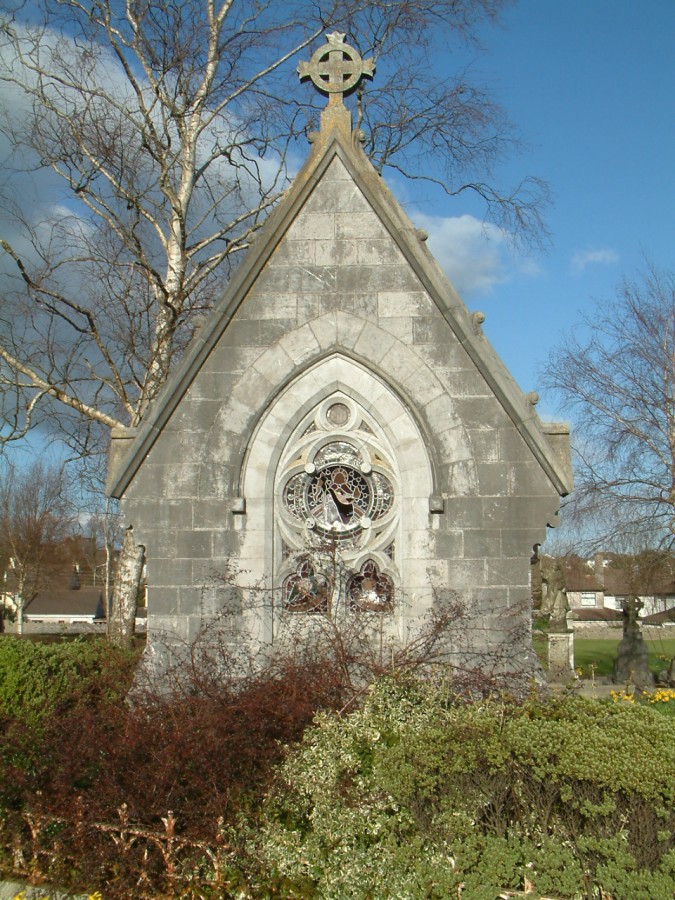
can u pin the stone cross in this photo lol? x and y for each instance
(336, 69)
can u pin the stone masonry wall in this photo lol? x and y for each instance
(339, 284)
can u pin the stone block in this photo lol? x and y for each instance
(374, 278)
(190, 601)
(169, 572)
(423, 386)
(330, 197)
(464, 512)
(359, 226)
(309, 306)
(274, 364)
(373, 343)
(241, 358)
(512, 447)
(336, 253)
(251, 392)
(518, 512)
(453, 444)
(155, 514)
(336, 171)
(528, 478)
(193, 544)
(162, 601)
(349, 328)
(480, 412)
(210, 386)
(459, 479)
(492, 479)
(508, 572)
(466, 574)
(313, 226)
(300, 344)
(517, 541)
(399, 362)
(324, 329)
(374, 252)
(179, 480)
(299, 279)
(295, 252)
(332, 303)
(365, 304)
(441, 414)
(485, 443)
(399, 326)
(211, 513)
(480, 543)
(193, 413)
(450, 544)
(226, 546)
(403, 303)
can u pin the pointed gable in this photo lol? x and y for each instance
(339, 232)
(341, 390)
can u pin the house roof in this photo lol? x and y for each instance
(87, 601)
(597, 614)
(335, 140)
(664, 617)
(616, 579)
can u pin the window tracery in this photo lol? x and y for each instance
(370, 589)
(337, 486)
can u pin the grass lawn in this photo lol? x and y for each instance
(601, 653)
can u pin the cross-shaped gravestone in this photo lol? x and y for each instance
(336, 69)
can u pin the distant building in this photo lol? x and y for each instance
(596, 587)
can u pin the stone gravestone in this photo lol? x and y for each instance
(632, 655)
(341, 392)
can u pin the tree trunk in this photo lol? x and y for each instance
(125, 592)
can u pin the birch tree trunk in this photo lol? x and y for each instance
(125, 592)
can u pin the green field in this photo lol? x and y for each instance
(601, 653)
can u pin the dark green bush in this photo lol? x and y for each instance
(39, 679)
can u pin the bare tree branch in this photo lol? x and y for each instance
(616, 374)
(171, 127)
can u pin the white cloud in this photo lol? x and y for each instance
(476, 256)
(603, 256)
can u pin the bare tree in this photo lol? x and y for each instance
(171, 127)
(616, 375)
(35, 517)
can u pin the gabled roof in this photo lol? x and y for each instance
(86, 601)
(335, 140)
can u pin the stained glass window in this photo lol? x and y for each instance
(306, 590)
(338, 497)
(370, 590)
(336, 494)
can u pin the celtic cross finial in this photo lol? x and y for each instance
(336, 69)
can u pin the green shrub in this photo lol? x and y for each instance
(414, 795)
(37, 680)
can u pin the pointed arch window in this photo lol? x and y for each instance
(336, 485)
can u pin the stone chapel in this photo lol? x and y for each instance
(341, 393)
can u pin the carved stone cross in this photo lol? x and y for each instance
(336, 69)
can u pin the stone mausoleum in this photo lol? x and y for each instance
(340, 394)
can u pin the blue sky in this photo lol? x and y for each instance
(590, 86)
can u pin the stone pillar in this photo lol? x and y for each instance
(560, 655)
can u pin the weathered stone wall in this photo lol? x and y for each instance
(338, 288)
